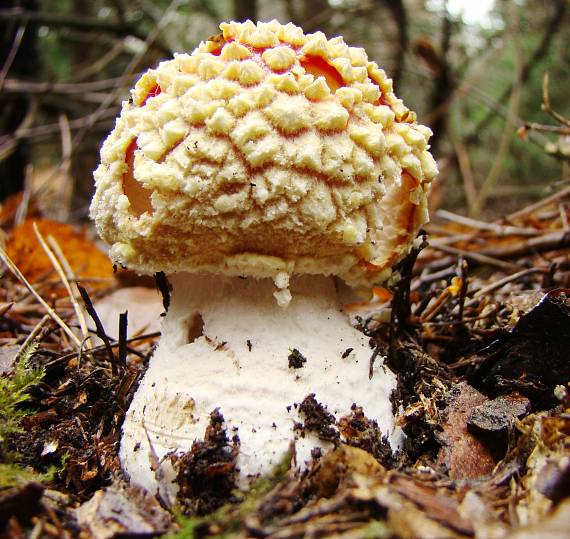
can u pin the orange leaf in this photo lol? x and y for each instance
(86, 260)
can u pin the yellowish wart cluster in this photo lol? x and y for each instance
(265, 152)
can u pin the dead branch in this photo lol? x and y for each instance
(400, 16)
(78, 22)
(550, 30)
(30, 87)
(539, 244)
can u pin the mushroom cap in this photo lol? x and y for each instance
(265, 152)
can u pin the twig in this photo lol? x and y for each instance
(554, 23)
(57, 266)
(22, 210)
(53, 315)
(431, 277)
(12, 54)
(67, 88)
(100, 329)
(74, 21)
(5, 307)
(123, 325)
(131, 67)
(506, 136)
(477, 256)
(26, 132)
(546, 242)
(539, 244)
(103, 347)
(8, 143)
(463, 268)
(563, 217)
(372, 360)
(32, 335)
(437, 305)
(99, 65)
(499, 284)
(499, 230)
(541, 203)
(70, 277)
(546, 103)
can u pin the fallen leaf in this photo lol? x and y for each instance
(120, 510)
(86, 260)
(463, 455)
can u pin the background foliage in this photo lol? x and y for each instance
(67, 65)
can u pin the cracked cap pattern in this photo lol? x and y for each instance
(265, 152)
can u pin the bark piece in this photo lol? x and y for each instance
(462, 453)
(117, 511)
(533, 358)
(495, 416)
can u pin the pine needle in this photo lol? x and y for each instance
(53, 315)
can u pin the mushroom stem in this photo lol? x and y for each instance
(227, 345)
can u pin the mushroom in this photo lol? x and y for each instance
(254, 172)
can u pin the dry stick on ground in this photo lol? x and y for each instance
(499, 284)
(53, 315)
(563, 216)
(539, 244)
(469, 185)
(146, 336)
(499, 230)
(63, 277)
(74, 294)
(541, 203)
(477, 257)
(32, 335)
(5, 307)
(100, 329)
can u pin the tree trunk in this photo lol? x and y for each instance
(24, 65)
(245, 9)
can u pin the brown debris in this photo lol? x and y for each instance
(497, 416)
(20, 504)
(318, 420)
(207, 473)
(119, 510)
(533, 357)
(358, 431)
(296, 359)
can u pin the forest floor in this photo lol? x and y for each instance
(477, 332)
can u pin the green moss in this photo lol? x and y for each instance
(14, 392)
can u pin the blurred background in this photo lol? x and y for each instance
(489, 76)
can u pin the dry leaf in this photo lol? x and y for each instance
(86, 260)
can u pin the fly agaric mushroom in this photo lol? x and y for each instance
(251, 172)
